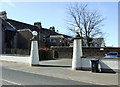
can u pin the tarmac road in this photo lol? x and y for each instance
(54, 72)
(13, 77)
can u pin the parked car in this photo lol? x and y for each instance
(112, 54)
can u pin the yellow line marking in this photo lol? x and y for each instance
(56, 76)
(11, 82)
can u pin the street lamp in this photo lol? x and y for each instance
(34, 38)
(34, 33)
(78, 31)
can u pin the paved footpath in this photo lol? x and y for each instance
(62, 69)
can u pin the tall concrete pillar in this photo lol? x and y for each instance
(1, 36)
(77, 54)
(34, 55)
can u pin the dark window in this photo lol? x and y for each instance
(52, 40)
(44, 39)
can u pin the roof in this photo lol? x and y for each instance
(97, 40)
(66, 36)
(56, 36)
(20, 26)
(7, 26)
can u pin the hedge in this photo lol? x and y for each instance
(46, 54)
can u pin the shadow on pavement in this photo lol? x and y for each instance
(52, 66)
(60, 86)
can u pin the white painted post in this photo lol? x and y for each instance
(77, 51)
(34, 55)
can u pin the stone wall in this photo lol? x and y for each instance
(63, 52)
(66, 52)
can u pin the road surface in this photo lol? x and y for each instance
(13, 77)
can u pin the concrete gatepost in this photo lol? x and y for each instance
(34, 55)
(77, 53)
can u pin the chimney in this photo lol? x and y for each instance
(3, 14)
(38, 24)
(52, 28)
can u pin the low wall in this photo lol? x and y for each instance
(105, 64)
(18, 59)
(67, 52)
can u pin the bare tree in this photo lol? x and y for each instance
(88, 21)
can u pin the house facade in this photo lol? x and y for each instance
(7, 33)
(95, 42)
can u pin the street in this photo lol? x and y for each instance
(53, 72)
(12, 77)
